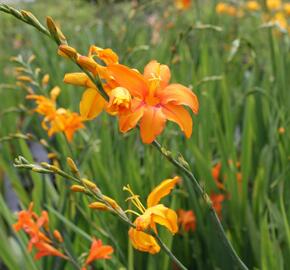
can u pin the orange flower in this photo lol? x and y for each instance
(67, 122)
(56, 120)
(92, 103)
(45, 249)
(154, 100)
(253, 6)
(120, 101)
(187, 220)
(223, 8)
(216, 174)
(274, 4)
(99, 251)
(36, 227)
(154, 214)
(46, 106)
(182, 4)
(217, 200)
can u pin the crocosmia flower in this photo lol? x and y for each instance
(154, 100)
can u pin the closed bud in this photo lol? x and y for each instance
(45, 80)
(98, 206)
(67, 51)
(111, 202)
(73, 167)
(57, 236)
(89, 183)
(77, 188)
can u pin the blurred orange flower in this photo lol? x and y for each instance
(37, 227)
(98, 251)
(56, 120)
(182, 4)
(217, 200)
(253, 6)
(154, 100)
(187, 220)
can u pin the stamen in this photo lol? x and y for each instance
(134, 199)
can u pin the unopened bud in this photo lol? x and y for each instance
(77, 188)
(98, 206)
(73, 167)
(111, 202)
(57, 236)
(89, 183)
(67, 51)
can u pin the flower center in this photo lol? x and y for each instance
(152, 101)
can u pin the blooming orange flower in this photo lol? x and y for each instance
(98, 251)
(154, 100)
(182, 4)
(36, 227)
(217, 200)
(154, 214)
(187, 220)
(56, 120)
(67, 122)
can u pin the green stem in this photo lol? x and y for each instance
(168, 252)
(208, 203)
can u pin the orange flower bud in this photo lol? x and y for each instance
(98, 206)
(24, 78)
(72, 165)
(111, 202)
(87, 63)
(67, 51)
(45, 80)
(57, 236)
(77, 188)
(89, 183)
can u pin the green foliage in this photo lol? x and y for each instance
(239, 72)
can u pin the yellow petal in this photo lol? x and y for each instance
(79, 78)
(92, 104)
(143, 241)
(157, 214)
(161, 190)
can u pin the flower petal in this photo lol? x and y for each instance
(179, 95)
(130, 79)
(155, 70)
(92, 104)
(163, 189)
(143, 241)
(78, 78)
(129, 120)
(180, 116)
(152, 123)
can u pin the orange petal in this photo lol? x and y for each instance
(92, 104)
(179, 95)
(163, 189)
(152, 123)
(143, 241)
(129, 79)
(168, 219)
(78, 78)
(180, 116)
(155, 70)
(130, 120)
